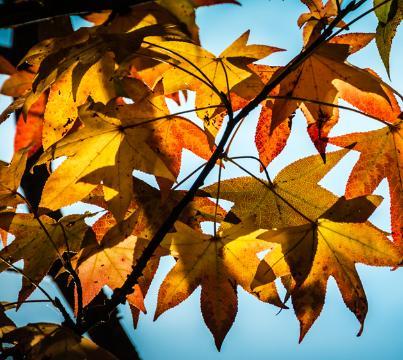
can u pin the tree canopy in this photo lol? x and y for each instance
(95, 101)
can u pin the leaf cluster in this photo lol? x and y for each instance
(101, 99)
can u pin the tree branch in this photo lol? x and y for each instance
(94, 315)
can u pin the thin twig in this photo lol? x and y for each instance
(217, 198)
(34, 301)
(233, 136)
(188, 176)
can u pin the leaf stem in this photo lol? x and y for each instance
(188, 176)
(217, 198)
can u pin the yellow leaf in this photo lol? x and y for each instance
(314, 252)
(106, 149)
(218, 264)
(201, 71)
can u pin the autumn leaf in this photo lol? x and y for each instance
(109, 263)
(315, 83)
(197, 69)
(52, 341)
(39, 249)
(314, 252)
(293, 198)
(121, 243)
(182, 13)
(217, 264)
(10, 177)
(107, 148)
(380, 152)
(270, 143)
(79, 52)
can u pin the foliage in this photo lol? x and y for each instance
(97, 99)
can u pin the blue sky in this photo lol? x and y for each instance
(258, 332)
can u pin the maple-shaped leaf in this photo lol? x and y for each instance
(107, 148)
(270, 143)
(389, 15)
(217, 264)
(329, 247)
(381, 153)
(33, 245)
(199, 70)
(10, 178)
(293, 198)
(51, 341)
(148, 212)
(318, 80)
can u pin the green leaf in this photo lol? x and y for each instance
(389, 15)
